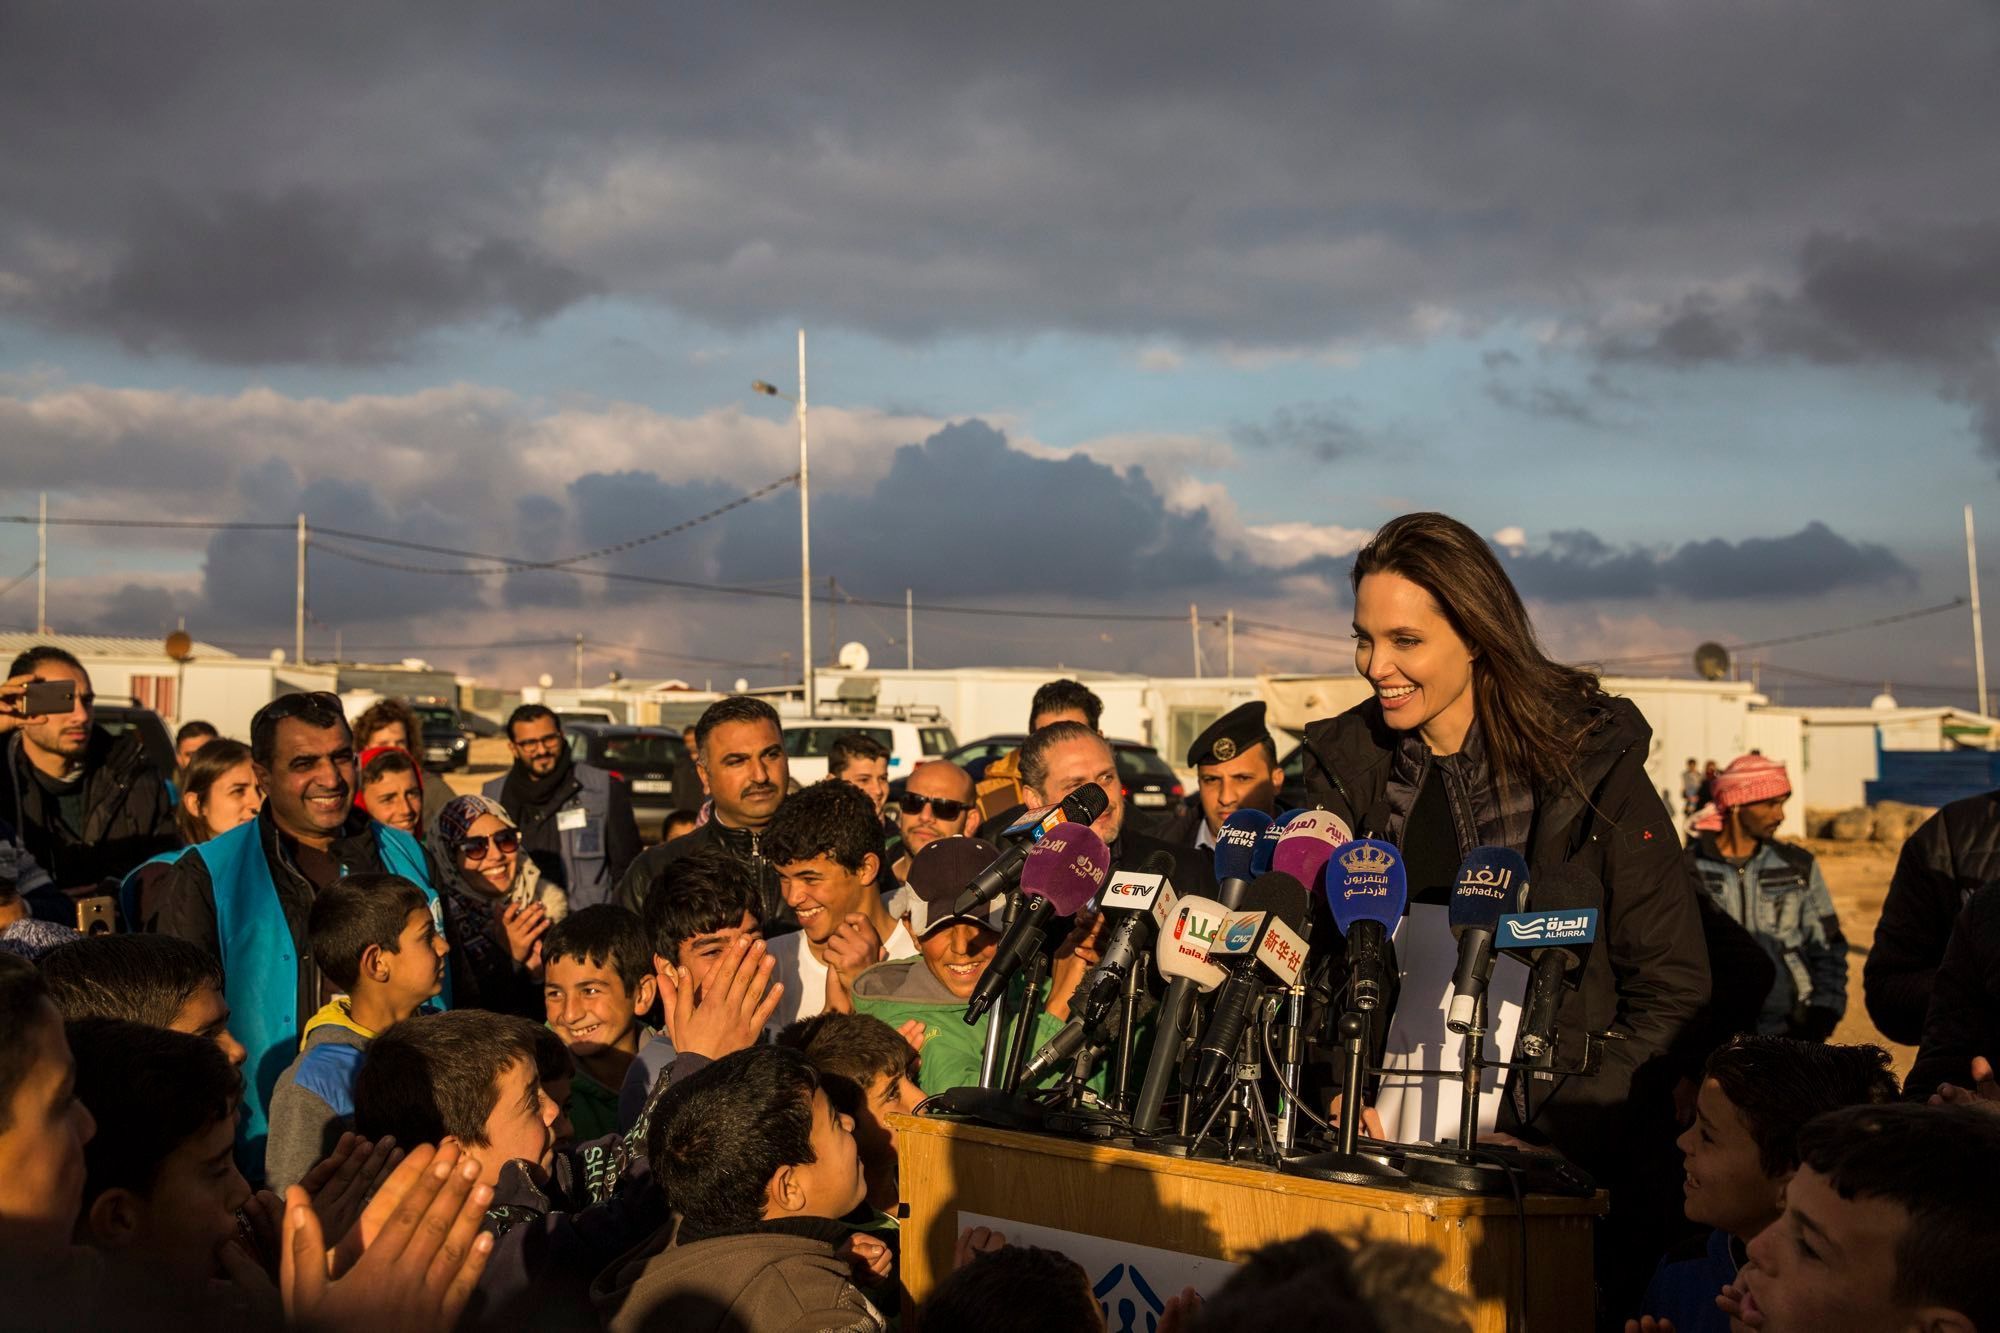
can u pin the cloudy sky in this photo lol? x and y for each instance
(1691, 307)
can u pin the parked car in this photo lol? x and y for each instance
(597, 715)
(807, 741)
(1151, 785)
(445, 742)
(643, 756)
(121, 718)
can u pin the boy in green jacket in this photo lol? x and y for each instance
(953, 953)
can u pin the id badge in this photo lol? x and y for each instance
(572, 818)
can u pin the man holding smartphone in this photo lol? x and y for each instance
(87, 805)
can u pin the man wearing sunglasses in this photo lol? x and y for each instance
(246, 895)
(939, 801)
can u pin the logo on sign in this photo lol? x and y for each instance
(1132, 892)
(1282, 950)
(1486, 882)
(1238, 933)
(1533, 930)
(1196, 926)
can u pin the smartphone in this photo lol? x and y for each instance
(49, 698)
(97, 914)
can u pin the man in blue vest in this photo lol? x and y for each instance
(246, 895)
(576, 821)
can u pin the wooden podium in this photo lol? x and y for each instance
(1209, 1210)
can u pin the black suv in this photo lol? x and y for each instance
(445, 742)
(643, 756)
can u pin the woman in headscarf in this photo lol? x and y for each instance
(497, 907)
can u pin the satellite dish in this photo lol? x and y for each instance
(278, 656)
(853, 657)
(1884, 701)
(546, 680)
(1711, 661)
(180, 647)
(742, 686)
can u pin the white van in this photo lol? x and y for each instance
(909, 742)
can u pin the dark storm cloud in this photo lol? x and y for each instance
(1924, 299)
(302, 276)
(1548, 401)
(1320, 433)
(1254, 174)
(1580, 566)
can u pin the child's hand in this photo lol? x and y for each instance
(341, 1182)
(1174, 1316)
(973, 1242)
(1734, 1301)
(915, 1033)
(868, 1257)
(737, 999)
(418, 1269)
(1074, 958)
(853, 948)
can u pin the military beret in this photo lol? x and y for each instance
(1230, 735)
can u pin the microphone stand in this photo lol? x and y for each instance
(1347, 1164)
(996, 1018)
(1243, 1104)
(1120, 1083)
(1024, 1021)
(1289, 1061)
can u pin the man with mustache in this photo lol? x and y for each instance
(739, 747)
(87, 806)
(246, 896)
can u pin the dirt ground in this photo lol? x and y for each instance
(1857, 873)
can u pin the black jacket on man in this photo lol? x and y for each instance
(1964, 1018)
(1949, 857)
(743, 846)
(128, 817)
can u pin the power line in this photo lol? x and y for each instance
(15, 583)
(1876, 623)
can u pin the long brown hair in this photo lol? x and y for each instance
(1527, 704)
(204, 767)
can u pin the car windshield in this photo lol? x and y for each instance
(1142, 764)
(814, 742)
(437, 719)
(652, 749)
(937, 740)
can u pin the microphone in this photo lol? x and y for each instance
(1491, 881)
(1181, 954)
(1143, 902)
(1268, 928)
(1062, 873)
(1307, 844)
(1081, 806)
(1367, 890)
(1236, 844)
(1555, 941)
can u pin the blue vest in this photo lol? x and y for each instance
(259, 966)
(585, 866)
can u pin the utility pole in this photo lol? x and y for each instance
(805, 542)
(910, 628)
(579, 659)
(299, 603)
(1194, 634)
(42, 569)
(1229, 651)
(1978, 631)
(832, 617)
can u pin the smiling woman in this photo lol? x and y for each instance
(1473, 739)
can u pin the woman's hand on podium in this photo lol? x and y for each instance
(1371, 1122)
(973, 1242)
(1179, 1310)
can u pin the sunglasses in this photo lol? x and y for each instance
(312, 705)
(506, 840)
(912, 804)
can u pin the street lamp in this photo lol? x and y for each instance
(805, 525)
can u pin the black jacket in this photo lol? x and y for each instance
(1949, 856)
(128, 818)
(742, 846)
(1180, 825)
(185, 897)
(1194, 870)
(1647, 977)
(1964, 1017)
